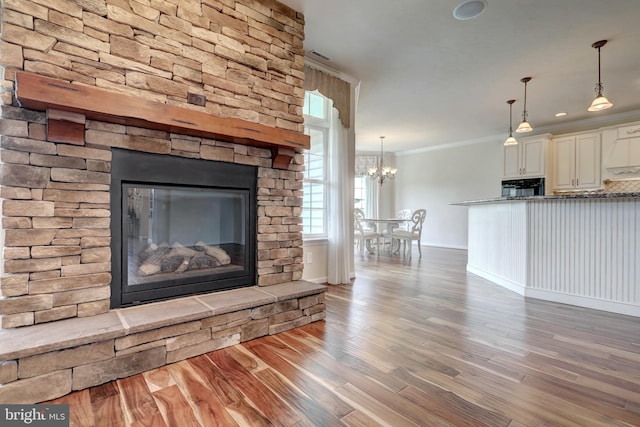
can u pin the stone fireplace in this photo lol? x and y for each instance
(211, 82)
(180, 226)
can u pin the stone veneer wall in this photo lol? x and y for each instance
(56, 216)
(245, 56)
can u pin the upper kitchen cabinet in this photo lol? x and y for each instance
(576, 162)
(621, 149)
(526, 159)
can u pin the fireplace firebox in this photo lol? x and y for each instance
(180, 226)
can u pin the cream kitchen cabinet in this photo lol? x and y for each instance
(577, 162)
(626, 150)
(626, 153)
(621, 152)
(526, 159)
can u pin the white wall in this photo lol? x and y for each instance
(433, 179)
(315, 261)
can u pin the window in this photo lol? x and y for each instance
(315, 184)
(315, 106)
(360, 193)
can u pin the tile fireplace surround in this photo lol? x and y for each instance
(245, 59)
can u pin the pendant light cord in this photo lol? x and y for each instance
(599, 85)
(597, 45)
(510, 117)
(599, 78)
(525, 114)
(524, 111)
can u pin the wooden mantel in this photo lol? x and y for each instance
(43, 93)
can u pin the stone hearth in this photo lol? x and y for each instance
(46, 361)
(58, 328)
(218, 59)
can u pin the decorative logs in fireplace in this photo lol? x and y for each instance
(178, 258)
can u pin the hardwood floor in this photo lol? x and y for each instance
(419, 343)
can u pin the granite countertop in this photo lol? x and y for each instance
(565, 196)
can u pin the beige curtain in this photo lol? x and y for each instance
(332, 87)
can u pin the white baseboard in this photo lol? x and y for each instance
(577, 300)
(319, 280)
(505, 283)
(580, 301)
(440, 245)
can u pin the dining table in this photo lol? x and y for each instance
(384, 226)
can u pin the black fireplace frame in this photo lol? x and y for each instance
(133, 167)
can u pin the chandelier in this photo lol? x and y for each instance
(382, 172)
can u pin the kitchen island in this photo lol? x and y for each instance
(578, 249)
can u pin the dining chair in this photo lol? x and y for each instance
(414, 233)
(363, 233)
(391, 227)
(404, 214)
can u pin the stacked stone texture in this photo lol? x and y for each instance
(56, 213)
(244, 56)
(32, 377)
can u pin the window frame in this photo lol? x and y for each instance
(362, 202)
(320, 125)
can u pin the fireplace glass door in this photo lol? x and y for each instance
(180, 227)
(183, 233)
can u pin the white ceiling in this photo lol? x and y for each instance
(428, 79)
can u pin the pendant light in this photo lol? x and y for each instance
(524, 126)
(600, 103)
(510, 140)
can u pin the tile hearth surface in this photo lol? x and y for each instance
(30, 340)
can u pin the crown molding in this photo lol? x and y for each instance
(483, 140)
(592, 123)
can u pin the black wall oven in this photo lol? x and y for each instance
(523, 187)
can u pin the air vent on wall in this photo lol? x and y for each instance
(319, 55)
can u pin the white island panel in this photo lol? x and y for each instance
(579, 250)
(498, 243)
(586, 252)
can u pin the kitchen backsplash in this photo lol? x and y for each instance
(624, 186)
(620, 186)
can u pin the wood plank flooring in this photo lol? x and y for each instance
(409, 343)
